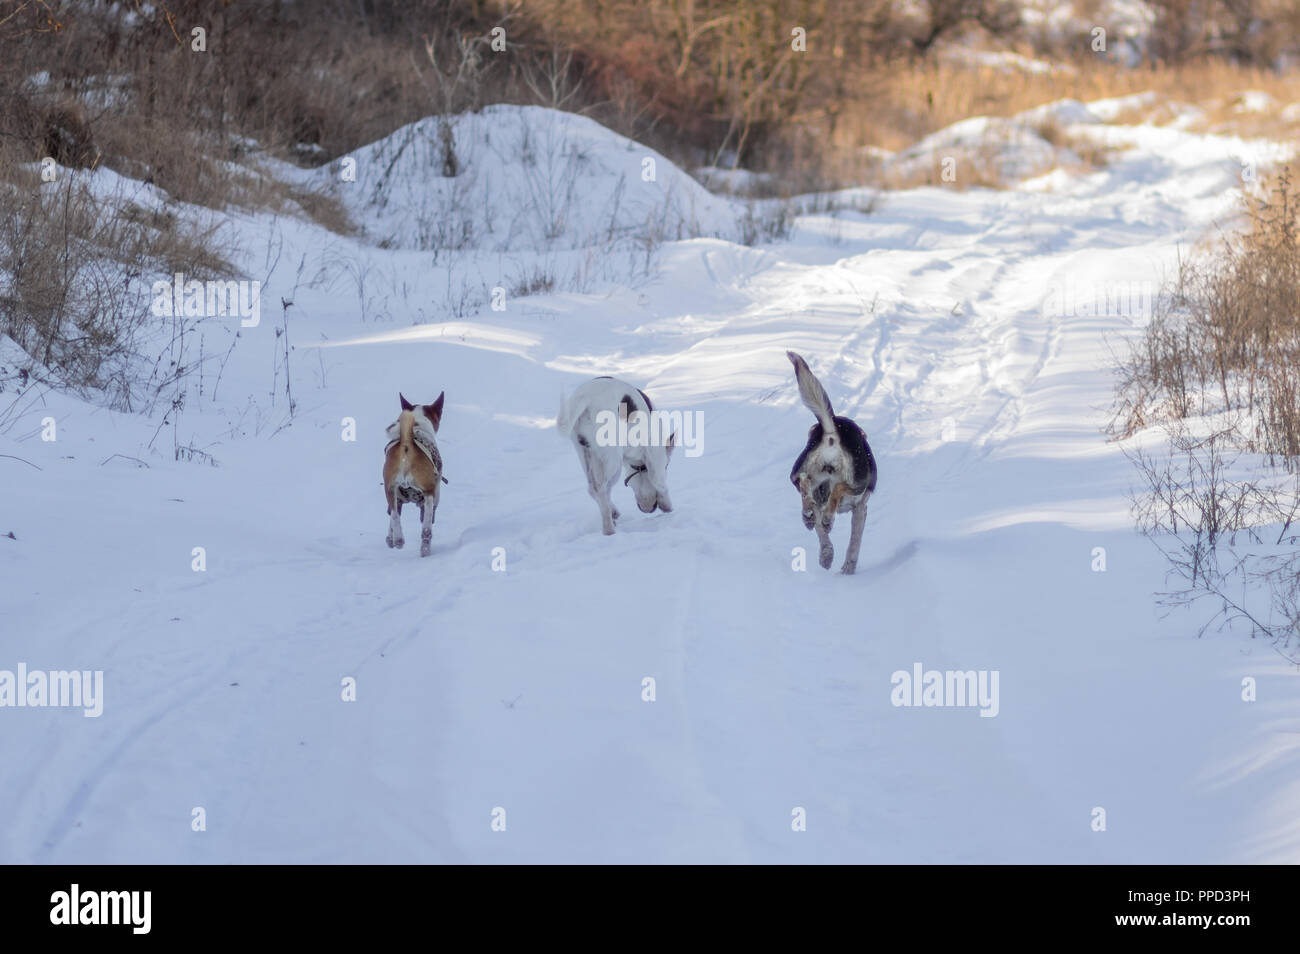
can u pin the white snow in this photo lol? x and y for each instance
(1253, 101)
(935, 322)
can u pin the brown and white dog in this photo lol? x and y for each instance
(413, 469)
(836, 473)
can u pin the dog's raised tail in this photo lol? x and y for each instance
(812, 392)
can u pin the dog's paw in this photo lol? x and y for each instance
(809, 520)
(389, 540)
(849, 568)
(398, 543)
(827, 556)
(425, 549)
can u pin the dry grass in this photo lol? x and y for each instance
(898, 106)
(1091, 153)
(1226, 338)
(893, 108)
(74, 264)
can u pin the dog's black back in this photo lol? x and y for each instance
(854, 441)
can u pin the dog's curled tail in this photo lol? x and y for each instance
(812, 392)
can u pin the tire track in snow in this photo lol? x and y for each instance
(89, 779)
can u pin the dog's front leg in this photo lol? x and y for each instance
(855, 535)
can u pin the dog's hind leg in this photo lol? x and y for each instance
(833, 506)
(599, 489)
(808, 507)
(599, 483)
(427, 508)
(855, 535)
(827, 548)
(394, 538)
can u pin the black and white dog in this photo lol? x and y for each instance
(836, 472)
(613, 427)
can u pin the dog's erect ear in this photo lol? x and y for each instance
(406, 405)
(434, 411)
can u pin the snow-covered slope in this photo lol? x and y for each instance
(957, 327)
(525, 178)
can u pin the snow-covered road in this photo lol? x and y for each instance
(950, 324)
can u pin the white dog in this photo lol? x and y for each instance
(613, 427)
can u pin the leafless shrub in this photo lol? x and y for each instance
(551, 78)
(1227, 529)
(1255, 32)
(534, 281)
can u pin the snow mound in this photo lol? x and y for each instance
(1107, 110)
(511, 178)
(1004, 150)
(733, 181)
(1253, 101)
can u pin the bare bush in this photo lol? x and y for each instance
(1217, 375)
(1228, 531)
(1255, 32)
